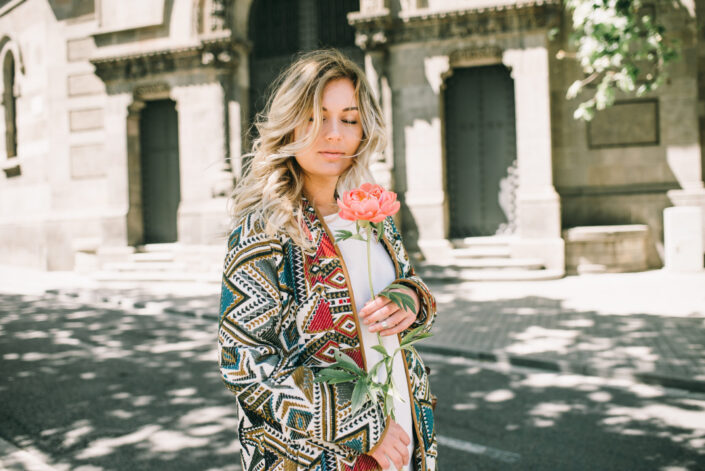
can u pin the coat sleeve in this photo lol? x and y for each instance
(427, 310)
(260, 366)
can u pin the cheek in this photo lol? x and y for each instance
(355, 136)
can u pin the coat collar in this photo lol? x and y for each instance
(314, 226)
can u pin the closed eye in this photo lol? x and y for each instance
(344, 120)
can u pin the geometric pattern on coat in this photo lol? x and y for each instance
(268, 359)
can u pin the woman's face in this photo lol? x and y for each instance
(339, 135)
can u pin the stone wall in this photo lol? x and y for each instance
(619, 168)
(59, 134)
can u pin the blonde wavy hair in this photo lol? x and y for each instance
(272, 186)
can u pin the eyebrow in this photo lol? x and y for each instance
(349, 108)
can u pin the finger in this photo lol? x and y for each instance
(375, 308)
(403, 451)
(397, 329)
(396, 323)
(381, 459)
(395, 456)
(373, 305)
(405, 438)
(382, 314)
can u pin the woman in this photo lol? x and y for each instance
(288, 301)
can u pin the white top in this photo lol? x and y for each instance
(354, 253)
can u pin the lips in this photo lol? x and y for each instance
(331, 153)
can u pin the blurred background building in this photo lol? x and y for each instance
(125, 122)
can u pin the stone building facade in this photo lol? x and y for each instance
(125, 122)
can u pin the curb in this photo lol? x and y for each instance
(498, 356)
(557, 366)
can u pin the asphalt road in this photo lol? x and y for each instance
(88, 389)
(494, 417)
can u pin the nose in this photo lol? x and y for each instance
(331, 130)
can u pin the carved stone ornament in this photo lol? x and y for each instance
(426, 24)
(475, 55)
(145, 91)
(217, 53)
(371, 28)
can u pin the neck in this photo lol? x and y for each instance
(321, 194)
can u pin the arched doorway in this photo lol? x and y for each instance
(481, 174)
(159, 169)
(278, 29)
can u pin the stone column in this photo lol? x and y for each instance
(376, 71)
(202, 145)
(423, 141)
(116, 230)
(685, 104)
(135, 224)
(538, 203)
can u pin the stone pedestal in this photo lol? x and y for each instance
(606, 249)
(538, 203)
(683, 245)
(693, 197)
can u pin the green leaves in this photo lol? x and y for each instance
(413, 337)
(360, 393)
(341, 235)
(404, 301)
(619, 47)
(334, 376)
(380, 349)
(347, 363)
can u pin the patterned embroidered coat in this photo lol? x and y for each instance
(285, 420)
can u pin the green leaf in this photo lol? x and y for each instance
(342, 235)
(411, 342)
(380, 349)
(358, 395)
(389, 404)
(334, 376)
(402, 300)
(375, 389)
(395, 391)
(375, 369)
(411, 335)
(348, 363)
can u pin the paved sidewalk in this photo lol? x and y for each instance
(647, 326)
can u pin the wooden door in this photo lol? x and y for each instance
(159, 151)
(480, 151)
(279, 29)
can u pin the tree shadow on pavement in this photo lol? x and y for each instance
(490, 417)
(544, 329)
(104, 389)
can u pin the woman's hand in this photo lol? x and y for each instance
(393, 446)
(383, 315)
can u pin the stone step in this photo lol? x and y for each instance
(454, 275)
(162, 247)
(157, 276)
(482, 252)
(145, 257)
(145, 266)
(490, 264)
(488, 241)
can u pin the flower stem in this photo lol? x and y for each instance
(369, 264)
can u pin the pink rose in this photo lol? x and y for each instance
(370, 202)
